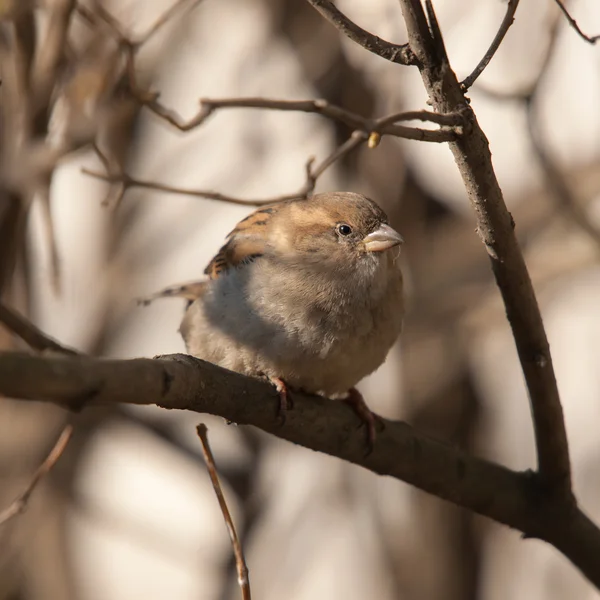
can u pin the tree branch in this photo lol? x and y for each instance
(508, 20)
(558, 187)
(29, 333)
(182, 382)
(20, 504)
(573, 24)
(397, 53)
(496, 229)
(451, 127)
(125, 181)
(240, 561)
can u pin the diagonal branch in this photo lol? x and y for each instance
(182, 382)
(573, 23)
(126, 182)
(20, 504)
(397, 53)
(240, 561)
(29, 333)
(558, 187)
(496, 229)
(508, 20)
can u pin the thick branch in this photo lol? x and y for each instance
(184, 383)
(496, 228)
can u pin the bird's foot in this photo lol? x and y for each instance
(366, 415)
(285, 402)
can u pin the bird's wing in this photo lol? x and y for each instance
(245, 243)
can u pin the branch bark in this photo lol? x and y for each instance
(496, 229)
(182, 382)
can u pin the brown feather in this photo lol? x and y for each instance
(244, 243)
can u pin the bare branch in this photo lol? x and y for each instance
(383, 126)
(29, 333)
(496, 229)
(451, 120)
(559, 189)
(573, 23)
(508, 20)
(19, 505)
(365, 130)
(397, 53)
(519, 500)
(126, 182)
(240, 561)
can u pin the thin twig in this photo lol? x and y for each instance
(364, 128)
(19, 505)
(240, 562)
(591, 39)
(126, 181)
(384, 125)
(508, 20)
(450, 120)
(558, 187)
(397, 53)
(451, 128)
(29, 333)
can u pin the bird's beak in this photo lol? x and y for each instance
(383, 238)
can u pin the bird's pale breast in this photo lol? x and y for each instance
(316, 333)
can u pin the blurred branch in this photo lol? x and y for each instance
(50, 51)
(240, 561)
(508, 20)
(97, 12)
(19, 505)
(573, 24)
(397, 53)
(365, 129)
(519, 500)
(29, 333)
(169, 14)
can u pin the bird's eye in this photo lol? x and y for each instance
(344, 229)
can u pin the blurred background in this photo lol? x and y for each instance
(128, 513)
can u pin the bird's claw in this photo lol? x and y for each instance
(285, 402)
(368, 418)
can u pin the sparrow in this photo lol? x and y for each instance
(306, 292)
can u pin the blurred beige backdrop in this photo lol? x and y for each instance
(137, 518)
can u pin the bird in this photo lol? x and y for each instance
(307, 293)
